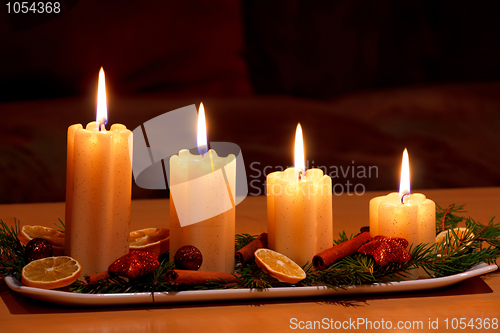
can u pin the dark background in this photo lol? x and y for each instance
(365, 79)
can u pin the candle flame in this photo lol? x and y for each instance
(102, 109)
(300, 165)
(404, 183)
(201, 139)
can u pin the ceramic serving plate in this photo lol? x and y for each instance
(63, 297)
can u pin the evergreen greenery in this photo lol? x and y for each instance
(459, 252)
(12, 258)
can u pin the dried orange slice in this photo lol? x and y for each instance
(155, 240)
(55, 237)
(447, 236)
(51, 272)
(279, 266)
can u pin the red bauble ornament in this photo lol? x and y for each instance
(386, 250)
(134, 264)
(38, 248)
(188, 257)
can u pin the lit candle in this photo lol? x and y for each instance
(410, 216)
(299, 209)
(202, 209)
(98, 190)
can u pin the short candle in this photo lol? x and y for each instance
(410, 216)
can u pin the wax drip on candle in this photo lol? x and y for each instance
(404, 182)
(300, 165)
(102, 110)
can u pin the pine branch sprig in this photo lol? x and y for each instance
(446, 218)
(241, 240)
(12, 258)
(488, 233)
(459, 251)
(342, 238)
(251, 276)
(61, 226)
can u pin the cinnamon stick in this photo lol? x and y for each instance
(246, 253)
(335, 253)
(185, 276)
(93, 278)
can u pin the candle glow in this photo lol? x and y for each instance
(201, 139)
(404, 182)
(102, 109)
(300, 165)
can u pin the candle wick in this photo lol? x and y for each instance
(101, 127)
(403, 197)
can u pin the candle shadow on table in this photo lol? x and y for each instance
(22, 305)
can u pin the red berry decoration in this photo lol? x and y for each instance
(38, 248)
(188, 257)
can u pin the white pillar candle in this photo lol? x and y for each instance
(214, 236)
(414, 220)
(98, 193)
(299, 211)
(410, 216)
(299, 214)
(202, 188)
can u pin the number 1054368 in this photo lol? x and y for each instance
(33, 7)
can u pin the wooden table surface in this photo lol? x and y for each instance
(477, 298)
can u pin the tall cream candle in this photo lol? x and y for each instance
(98, 194)
(299, 208)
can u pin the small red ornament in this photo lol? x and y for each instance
(188, 257)
(134, 264)
(387, 249)
(38, 248)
